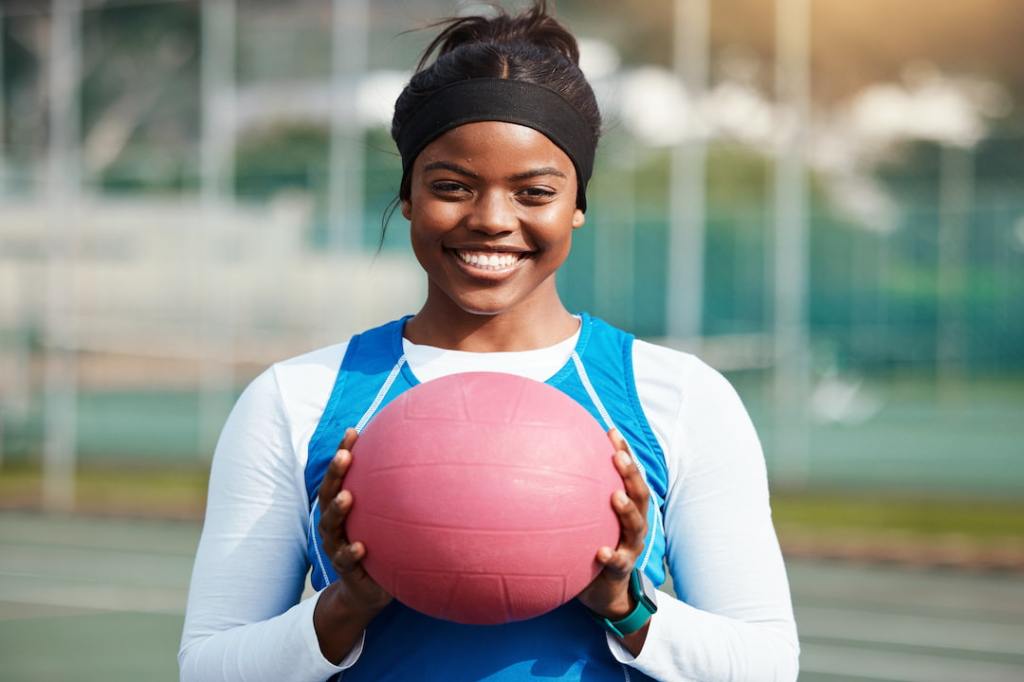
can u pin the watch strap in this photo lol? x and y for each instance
(636, 618)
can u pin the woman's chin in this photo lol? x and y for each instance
(483, 308)
(488, 303)
(487, 300)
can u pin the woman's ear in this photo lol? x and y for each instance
(578, 218)
(407, 209)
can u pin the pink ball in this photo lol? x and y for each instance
(483, 498)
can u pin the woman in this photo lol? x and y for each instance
(497, 138)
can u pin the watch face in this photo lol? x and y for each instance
(649, 591)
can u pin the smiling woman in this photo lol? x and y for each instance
(497, 138)
(492, 208)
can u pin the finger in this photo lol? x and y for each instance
(348, 441)
(618, 564)
(623, 465)
(336, 470)
(632, 480)
(632, 522)
(617, 440)
(332, 517)
(347, 558)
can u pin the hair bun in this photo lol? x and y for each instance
(534, 26)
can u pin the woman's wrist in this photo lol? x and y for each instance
(338, 622)
(634, 642)
(617, 609)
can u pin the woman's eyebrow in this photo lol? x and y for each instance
(546, 170)
(448, 165)
(525, 175)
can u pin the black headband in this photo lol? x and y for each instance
(501, 99)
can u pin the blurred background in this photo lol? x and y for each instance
(824, 199)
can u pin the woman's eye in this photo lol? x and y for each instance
(537, 193)
(447, 187)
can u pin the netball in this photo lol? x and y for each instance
(482, 498)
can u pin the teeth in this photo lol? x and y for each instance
(492, 261)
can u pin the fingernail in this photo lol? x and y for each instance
(624, 459)
(621, 497)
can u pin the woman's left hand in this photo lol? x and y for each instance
(608, 594)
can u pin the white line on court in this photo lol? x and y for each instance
(76, 565)
(963, 634)
(887, 589)
(18, 590)
(892, 666)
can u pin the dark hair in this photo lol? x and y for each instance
(531, 46)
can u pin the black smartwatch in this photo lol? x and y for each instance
(642, 590)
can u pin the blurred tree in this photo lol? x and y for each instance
(281, 156)
(139, 106)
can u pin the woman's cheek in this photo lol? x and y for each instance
(441, 217)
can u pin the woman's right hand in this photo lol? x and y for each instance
(348, 604)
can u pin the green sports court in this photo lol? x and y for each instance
(103, 599)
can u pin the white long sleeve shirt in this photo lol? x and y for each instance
(731, 620)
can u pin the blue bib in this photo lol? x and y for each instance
(564, 644)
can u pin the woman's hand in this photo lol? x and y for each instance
(347, 605)
(608, 594)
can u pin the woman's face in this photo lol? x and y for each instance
(492, 207)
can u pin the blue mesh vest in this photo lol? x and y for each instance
(564, 644)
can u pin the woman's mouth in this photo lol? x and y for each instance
(489, 261)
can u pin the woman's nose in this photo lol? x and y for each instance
(493, 213)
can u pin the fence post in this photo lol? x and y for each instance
(792, 346)
(685, 295)
(63, 189)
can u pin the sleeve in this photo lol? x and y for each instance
(244, 620)
(732, 619)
